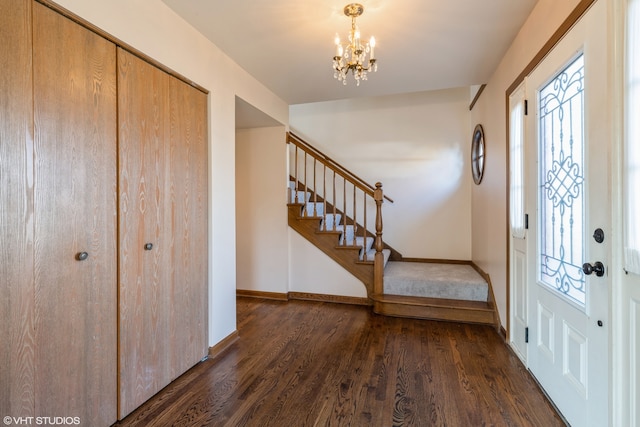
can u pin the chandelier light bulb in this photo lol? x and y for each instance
(372, 45)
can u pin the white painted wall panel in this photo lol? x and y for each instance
(261, 210)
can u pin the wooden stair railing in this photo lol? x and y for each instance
(335, 191)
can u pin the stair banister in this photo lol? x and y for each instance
(332, 164)
(349, 238)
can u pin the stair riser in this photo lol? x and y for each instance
(484, 317)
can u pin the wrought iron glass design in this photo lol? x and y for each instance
(561, 182)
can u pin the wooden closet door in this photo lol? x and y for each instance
(75, 212)
(145, 274)
(189, 212)
(16, 211)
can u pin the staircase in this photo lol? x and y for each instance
(334, 233)
(335, 210)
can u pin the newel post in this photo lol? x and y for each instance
(378, 261)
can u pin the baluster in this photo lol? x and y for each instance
(297, 177)
(324, 197)
(304, 209)
(315, 189)
(289, 189)
(355, 217)
(344, 210)
(334, 200)
(297, 200)
(364, 226)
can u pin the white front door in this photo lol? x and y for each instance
(568, 199)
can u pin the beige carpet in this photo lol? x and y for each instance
(452, 281)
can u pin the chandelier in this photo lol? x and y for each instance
(352, 56)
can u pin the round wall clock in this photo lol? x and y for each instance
(477, 154)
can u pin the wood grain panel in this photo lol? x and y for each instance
(75, 211)
(144, 275)
(188, 139)
(16, 211)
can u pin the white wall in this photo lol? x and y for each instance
(154, 29)
(417, 146)
(489, 200)
(261, 210)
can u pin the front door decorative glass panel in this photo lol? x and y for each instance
(561, 182)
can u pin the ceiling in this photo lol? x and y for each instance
(421, 45)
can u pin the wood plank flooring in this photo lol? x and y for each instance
(302, 363)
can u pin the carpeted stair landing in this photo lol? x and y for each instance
(432, 280)
(425, 290)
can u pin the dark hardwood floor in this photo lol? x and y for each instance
(304, 363)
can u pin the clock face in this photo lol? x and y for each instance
(477, 154)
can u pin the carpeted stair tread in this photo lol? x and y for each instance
(331, 222)
(371, 253)
(433, 280)
(299, 196)
(313, 209)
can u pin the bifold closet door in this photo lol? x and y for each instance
(145, 231)
(75, 144)
(163, 228)
(16, 211)
(189, 228)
